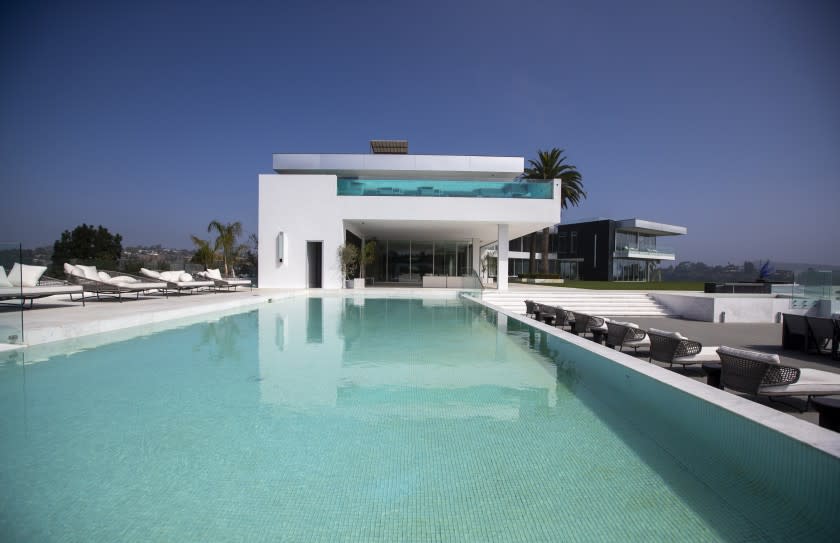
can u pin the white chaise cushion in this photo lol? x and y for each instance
(4, 280)
(172, 276)
(644, 342)
(767, 358)
(89, 272)
(104, 276)
(213, 273)
(706, 354)
(70, 269)
(24, 275)
(185, 277)
(810, 383)
(123, 279)
(150, 273)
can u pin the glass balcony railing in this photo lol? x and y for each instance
(446, 188)
(645, 252)
(11, 297)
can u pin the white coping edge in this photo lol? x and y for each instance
(804, 432)
(76, 330)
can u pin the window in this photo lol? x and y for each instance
(573, 243)
(562, 243)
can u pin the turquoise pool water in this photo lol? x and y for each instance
(334, 419)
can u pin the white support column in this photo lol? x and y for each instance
(476, 254)
(504, 245)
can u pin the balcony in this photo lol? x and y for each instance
(446, 188)
(645, 253)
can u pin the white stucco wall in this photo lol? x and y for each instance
(304, 210)
(307, 208)
(733, 308)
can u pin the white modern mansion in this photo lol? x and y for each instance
(429, 215)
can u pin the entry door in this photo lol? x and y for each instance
(314, 263)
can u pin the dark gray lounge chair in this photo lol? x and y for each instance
(821, 333)
(763, 374)
(795, 332)
(585, 323)
(674, 348)
(626, 334)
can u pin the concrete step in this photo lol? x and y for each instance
(635, 304)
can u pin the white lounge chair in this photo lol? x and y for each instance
(229, 283)
(177, 280)
(26, 282)
(763, 374)
(108, 283)
(674, 348)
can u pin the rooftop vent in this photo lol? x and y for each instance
(389, 147)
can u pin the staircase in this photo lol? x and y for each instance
(593, 302)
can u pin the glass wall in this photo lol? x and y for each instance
(407, 261)
(566, 269)
(634, 240)
(626, 269)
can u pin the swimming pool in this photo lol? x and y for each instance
(356, 419)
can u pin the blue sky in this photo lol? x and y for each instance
(154, 118)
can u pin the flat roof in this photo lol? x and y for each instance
(649, 227)
(641, 226)
(385, 166)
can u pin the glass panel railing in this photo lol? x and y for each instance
(817, 290)
(446, 188)
(646, 251)
(11, 295)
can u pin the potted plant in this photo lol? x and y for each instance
(348, 257)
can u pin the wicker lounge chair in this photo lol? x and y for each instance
(822, 332)
(174, 280)
(562, 318)
(674, 348)
(584, 323)
(545, 313)
(795, 332)
(626, 334)
(530, 309)
(763, 374)
(110, 283)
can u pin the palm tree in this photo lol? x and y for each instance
(204, 254)
(549, 165)
(226, 241)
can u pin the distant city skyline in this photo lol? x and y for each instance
(153, 119)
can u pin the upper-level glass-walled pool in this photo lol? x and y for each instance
(541, 190)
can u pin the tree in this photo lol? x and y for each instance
(348, 257)
(549, 165)
(368, 255)
(226, 235)
(249, 257)
(87, 245)
(204, 254)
